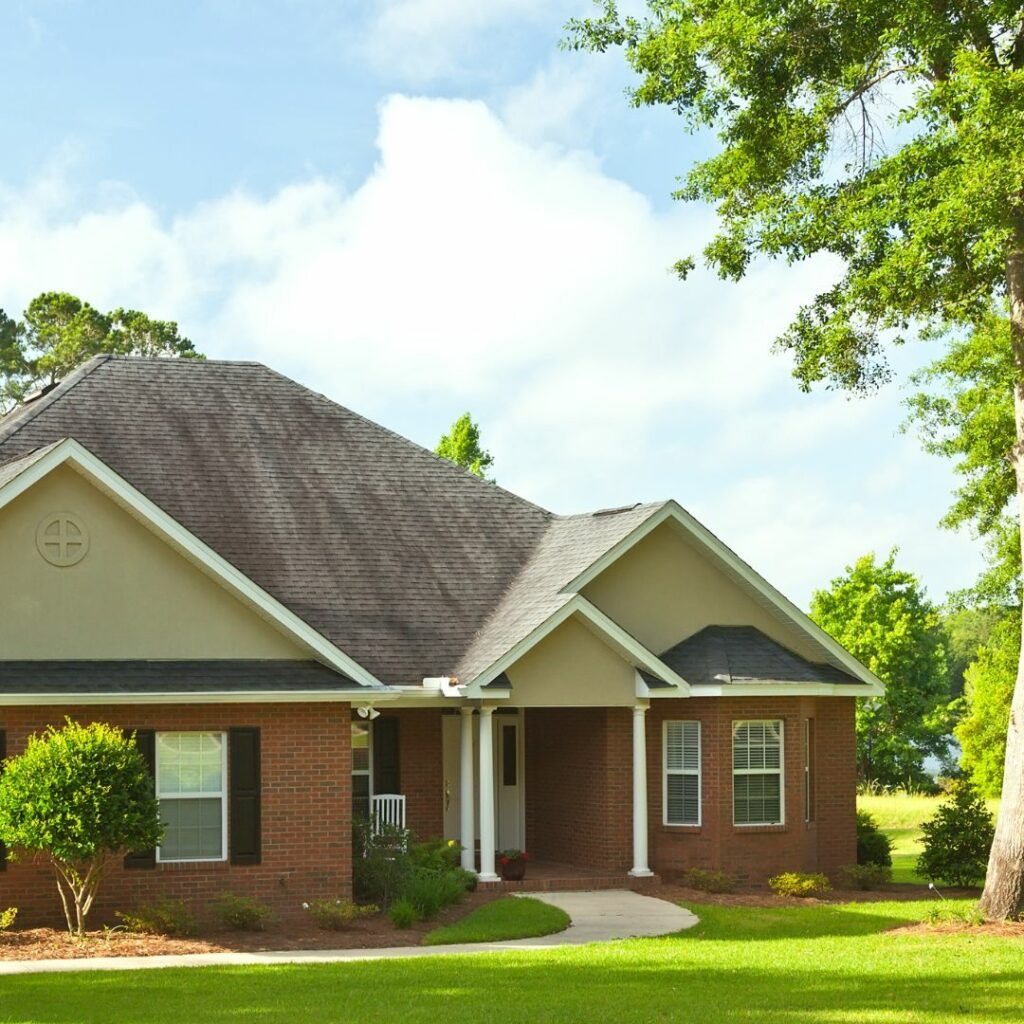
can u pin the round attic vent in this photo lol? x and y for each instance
(62, 539)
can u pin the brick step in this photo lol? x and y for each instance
(575, 883)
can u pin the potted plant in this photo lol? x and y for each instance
(513, 864)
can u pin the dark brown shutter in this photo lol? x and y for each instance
(244, 810)
(3, 754)
(386, 777)
(145, 742)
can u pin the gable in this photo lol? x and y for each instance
(571, 666)
(130, 596)
(664, 589)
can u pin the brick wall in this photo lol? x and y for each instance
(421, 768)
(306, 811)
(753, 853)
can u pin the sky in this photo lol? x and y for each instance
(422, 207)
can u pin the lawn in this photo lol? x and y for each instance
(795, 965)
(513, 917)
(900, 817)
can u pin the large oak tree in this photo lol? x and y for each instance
(930, 228)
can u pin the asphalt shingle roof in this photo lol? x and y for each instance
(743, 654)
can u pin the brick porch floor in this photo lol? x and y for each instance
(548, 876)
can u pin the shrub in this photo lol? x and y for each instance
(242, 913)
(957, 839)
(164, 917)
(81, 796)
(337, 915)
(7, 918)
(951, 913)
(866, 876)
(436, 854)
(794, 883)
(380, 873)
(873, 845)
(708, 881)
(431, 891)
(403, 914)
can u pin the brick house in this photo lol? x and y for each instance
(305, 617)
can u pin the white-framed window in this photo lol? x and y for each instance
(191, 785)
(758, 796)
(362, 768)
(681, 758)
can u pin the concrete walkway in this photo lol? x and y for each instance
(600, 916)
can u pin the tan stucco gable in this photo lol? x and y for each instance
(664, 589)
(571, 666)
(131, 596)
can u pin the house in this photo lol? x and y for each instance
(305, 616)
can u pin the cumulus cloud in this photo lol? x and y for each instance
(477, 268)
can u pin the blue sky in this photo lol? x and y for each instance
(424, 206)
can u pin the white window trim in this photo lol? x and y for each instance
(223, 796)
(367, 772)
(780, 771)
(666, 771)
(808, 770)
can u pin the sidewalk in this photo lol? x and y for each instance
(600, 916)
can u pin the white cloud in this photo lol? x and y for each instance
(474, 269)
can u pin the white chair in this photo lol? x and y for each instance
(387, 810)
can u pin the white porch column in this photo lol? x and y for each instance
(640, 868)
(467, 832)
(487, 829)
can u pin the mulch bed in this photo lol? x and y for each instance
(995, 929)
(764, 897)
(301, 933)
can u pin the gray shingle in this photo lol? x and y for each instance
(743, 654)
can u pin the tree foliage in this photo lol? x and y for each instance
(881, 615)
(461, 445)
(79, 795)
(58, 332)
(985, 706)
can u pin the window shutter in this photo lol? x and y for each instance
(386, 777)
(244, 809)
(3, 754)
(145, 742)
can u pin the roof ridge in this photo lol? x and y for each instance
(21, 415)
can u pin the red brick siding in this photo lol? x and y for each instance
(755, 853)
(306, 811)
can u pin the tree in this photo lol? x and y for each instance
(956, 840)
(880, 614)
(985, 707)
(967, 630)
(80, 796)
(59, 332)
(461, 445)
(930, 231)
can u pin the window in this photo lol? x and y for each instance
(191, 777)
(808, 769)
(682, 773)
(361, 783)
(757, 773)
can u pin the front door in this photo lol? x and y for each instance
(508, 779)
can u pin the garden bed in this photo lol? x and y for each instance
(369, 933)
(763, 897)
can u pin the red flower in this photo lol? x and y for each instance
(504, 860)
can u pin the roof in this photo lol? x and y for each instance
(15, 467)
(159, 677)
(743, 654)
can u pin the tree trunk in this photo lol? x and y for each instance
(1004, 884)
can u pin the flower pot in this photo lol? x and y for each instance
(513, 871)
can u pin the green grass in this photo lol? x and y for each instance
(899, 816)
(512, 917)
(823, 964)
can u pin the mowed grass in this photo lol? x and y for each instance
(899, 816)
(512, 917)
(833, 964)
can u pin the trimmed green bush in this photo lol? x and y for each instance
(866, 876)
(709, 881)
(382, 863)
(951, 913)
(337, 915)
(7, 918)
(81, 796)
(795, 883)
(957, 839)
(162, 917)
(873, 845)
(242, 913)
(403, 914)
(432, 891)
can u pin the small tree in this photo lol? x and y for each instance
(461, 445)
(957, 839)
(80, 796)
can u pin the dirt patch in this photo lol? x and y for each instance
(996, 929)
(370, 933)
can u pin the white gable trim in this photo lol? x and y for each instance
(709, 542)
(611, 632)
(79, 458)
